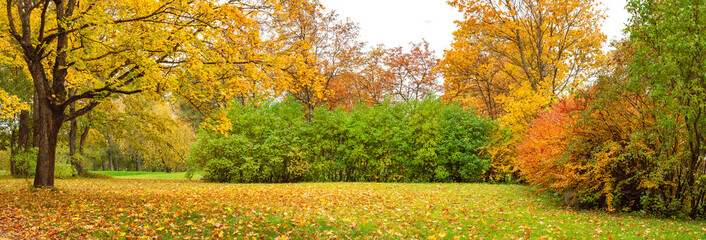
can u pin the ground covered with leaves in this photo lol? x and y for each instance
(181, 209)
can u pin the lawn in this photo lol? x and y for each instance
(178, 209)
(147, 175)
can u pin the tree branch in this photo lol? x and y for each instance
(43, 20)
(81, 111)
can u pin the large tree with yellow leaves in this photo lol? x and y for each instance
(84, 52)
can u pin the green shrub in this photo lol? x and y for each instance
(463, 135)
(419, 141)
(26, 163)
(64, 170)
(218, 170)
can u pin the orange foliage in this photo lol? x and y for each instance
(411, 75)
(540, 151)
(512, 58)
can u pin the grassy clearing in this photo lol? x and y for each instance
(146, 175)
(175, 209)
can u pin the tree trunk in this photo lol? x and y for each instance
(35, 121)
(13, 152)
(166, 168)
(23, 134)
(48, 131)
(138, 166)
(21, 144)
(116, 160)
(110, 153)
(73, 159)
(82, 142)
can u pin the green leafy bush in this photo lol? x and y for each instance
(64, 170)
(419, 141)
(25, 163)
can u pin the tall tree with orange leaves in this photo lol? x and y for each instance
(317, 50)
(512, 58)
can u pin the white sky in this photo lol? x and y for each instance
(399, 22)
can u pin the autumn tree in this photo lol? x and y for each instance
(512, 58)
(411, 73)
(15, 114)
(669, 60)
(370, 83)
(474, 80)
(92, 51)
(166, 142)
(317, 50)
(397, 73)
(540, 151)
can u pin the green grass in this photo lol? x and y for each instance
(176, 209)
(146, 175)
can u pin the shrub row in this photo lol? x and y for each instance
(418, 141)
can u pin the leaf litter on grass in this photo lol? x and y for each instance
(180, 209)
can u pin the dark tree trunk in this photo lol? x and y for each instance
(73, 131)
(116, 160)
(49, 125)
(23, 134)
(13, 152)
(138, 164)
(82, 142)
(166, 168)
(21, 141)
(35, 122)
(103, 165)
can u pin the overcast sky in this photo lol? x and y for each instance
(398, 22)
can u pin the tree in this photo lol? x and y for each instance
(15, 100)
(540, 150)
(669, 60)
(474, 79)
(388, 73)
(101, 49)
(318, 50)
(371, 82)
(411, 74)
(514, 57)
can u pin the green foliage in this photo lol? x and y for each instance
(418, 141)
(64, 170)
(26, 163)
(669, 62)
(463, 136)
(261, 147)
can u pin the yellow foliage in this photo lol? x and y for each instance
(511, 59)
(220, 123)
(10, 105)
(522, 105)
